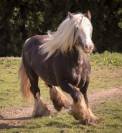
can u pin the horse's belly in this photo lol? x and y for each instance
(49, 80)
(46, 73)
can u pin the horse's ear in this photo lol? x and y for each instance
(88, 15)
(70, 15)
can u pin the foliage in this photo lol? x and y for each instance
(22, 19)
(107, 58)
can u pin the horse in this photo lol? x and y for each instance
(60, 59)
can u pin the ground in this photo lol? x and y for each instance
(14, 117)
(105, 97)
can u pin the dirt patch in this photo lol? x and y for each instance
(14, 117)
(17, 117)
(104, 95)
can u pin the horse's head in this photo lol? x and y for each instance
(83, 30)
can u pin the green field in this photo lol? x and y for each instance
(106, 74)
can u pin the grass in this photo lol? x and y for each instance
(106, 74)
(110, 112)
(106, 71)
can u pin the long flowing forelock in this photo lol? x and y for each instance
(78, 19)
(63, 39)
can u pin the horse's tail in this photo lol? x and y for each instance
(24, 82)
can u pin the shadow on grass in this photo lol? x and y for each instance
(8, 123)
(18, 118)
(8, 126)
(58, 124)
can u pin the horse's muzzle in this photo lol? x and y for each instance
(89, 48)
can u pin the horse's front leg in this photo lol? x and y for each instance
(79, 107)
(83, 89)
(58, 98)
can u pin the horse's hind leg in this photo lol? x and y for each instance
(40, 109)
(58, 98)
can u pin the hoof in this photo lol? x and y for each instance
(57, 105)
(45, 111)
(89, 121)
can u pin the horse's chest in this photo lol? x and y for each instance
(71, 68)
(76, 72)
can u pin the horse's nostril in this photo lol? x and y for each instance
(90, 47)
(86, 47)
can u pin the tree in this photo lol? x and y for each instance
(22, 19)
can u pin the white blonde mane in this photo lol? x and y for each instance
(64, 38)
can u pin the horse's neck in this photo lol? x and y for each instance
(82, 59)
(76, 55)
(78, 50)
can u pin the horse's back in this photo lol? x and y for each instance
(31, 48)
(34, 41)
(35, 59)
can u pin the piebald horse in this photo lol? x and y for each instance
(60, 59)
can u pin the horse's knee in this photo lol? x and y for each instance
(76, 95)
(70, 89)
(84, 86)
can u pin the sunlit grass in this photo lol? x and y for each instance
(110, 112)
